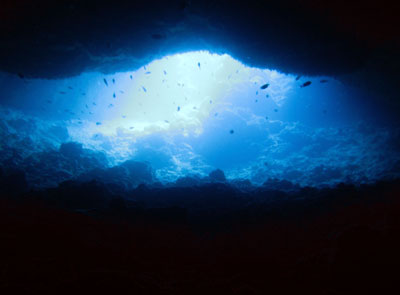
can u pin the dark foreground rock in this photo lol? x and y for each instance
(200, 239)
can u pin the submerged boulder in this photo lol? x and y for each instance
(217, 176)
(51, 167)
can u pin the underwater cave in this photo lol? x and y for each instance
(188, 114)
(234, 134)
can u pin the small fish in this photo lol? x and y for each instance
(165, 72)
(98, 123)
(114, 96)
(113, 80)
(79, 122)
(265, 86)
(94, 103)
(298, 78)
(83, 93)
(198, 64)
(86, 106)
(305, 84)
(275, 110)
(48, 101)
(62, 92)
(194, 108)
(323, 81)
(257, 92)
(166, 121)
(148, 73)
(131, 77)
(266, 118)
(231, 131)
(210, 101)
(179, 108)
(21, 76)
(123, 116)
(267, 96)
(105, 82)
(90, 113)
(110, 105)
(144, 89)
(122, 92)
(131, 127)
(256, 100)
(70, 87)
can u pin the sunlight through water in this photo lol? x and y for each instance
(193, 112)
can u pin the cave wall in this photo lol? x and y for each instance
(354, 41)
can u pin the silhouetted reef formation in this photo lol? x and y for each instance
(48, 165)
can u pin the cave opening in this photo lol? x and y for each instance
(198, 146)
(191, 113)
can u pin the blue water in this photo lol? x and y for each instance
(191, 113)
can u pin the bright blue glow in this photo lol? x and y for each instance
(174, 97)
(194, 112)
(173, 94)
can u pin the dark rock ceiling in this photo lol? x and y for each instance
(355, 41)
